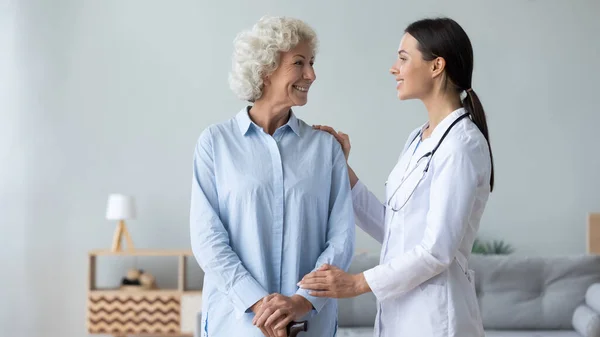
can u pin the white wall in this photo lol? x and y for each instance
(14, 194)
(110, 96)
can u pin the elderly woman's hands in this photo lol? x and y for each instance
(274, 312)
(331, 281)
(341, 137)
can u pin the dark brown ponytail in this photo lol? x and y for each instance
(444, 37)
(473, 105)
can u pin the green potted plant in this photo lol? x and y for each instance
(495, 247)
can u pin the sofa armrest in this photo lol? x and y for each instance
(592, 297)
(586, 321)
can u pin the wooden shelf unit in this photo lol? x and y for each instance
(155, 312)
(593, 233)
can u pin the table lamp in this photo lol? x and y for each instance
(121, 207)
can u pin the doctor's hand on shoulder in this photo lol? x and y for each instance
(341, 137)
(344, 141)
(331, 281)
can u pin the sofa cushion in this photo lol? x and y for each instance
(586, 321)
(354, 332)
(519, 292)
(359, 311)
(368, 332)
(531, 333)
(592, 297)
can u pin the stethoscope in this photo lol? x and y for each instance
(427, 156)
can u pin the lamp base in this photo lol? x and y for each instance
(121, 231)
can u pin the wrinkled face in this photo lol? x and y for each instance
(414, 76)
(290, 82)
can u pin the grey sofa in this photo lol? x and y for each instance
(518, 296)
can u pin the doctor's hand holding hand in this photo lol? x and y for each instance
(341, 137)
(331, 281)
(274, 312)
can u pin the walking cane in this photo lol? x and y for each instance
(294, 328)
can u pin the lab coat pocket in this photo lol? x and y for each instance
(471, 277)
(433, 304)
(471, 295)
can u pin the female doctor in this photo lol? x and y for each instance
(435, 197)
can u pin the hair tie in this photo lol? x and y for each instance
(469, 90)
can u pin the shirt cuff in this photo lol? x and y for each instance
(371, 278)
(358, 189)
(317, 302)
(245, 293)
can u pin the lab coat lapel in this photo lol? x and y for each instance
(410, 176)
(401, 177)
(398, 171)
(424, 147)
(430, 143)
(411, 169)
(439, 131)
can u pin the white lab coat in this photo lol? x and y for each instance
(423, 285)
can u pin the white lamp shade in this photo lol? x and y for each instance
(120, 207)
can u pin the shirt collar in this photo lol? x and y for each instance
(244, 122)
(444, 124)
(293, 123)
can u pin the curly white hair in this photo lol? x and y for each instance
(256, 52)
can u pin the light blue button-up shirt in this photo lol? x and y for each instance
(265, 211)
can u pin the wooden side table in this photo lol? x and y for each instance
(153, 312)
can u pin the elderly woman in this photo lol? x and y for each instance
(271, 199)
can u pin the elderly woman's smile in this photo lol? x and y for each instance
(302, 89)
